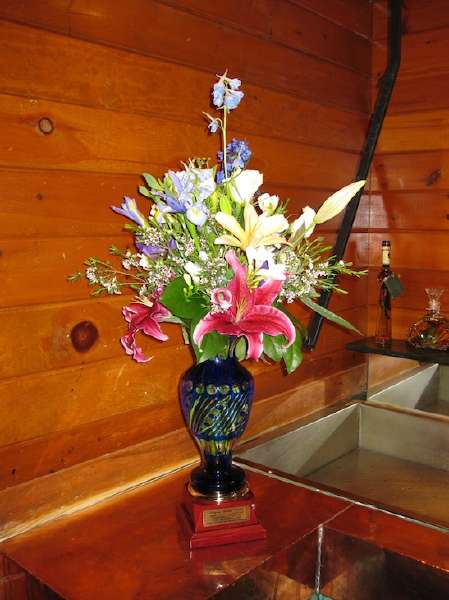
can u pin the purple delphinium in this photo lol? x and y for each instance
(237, 157)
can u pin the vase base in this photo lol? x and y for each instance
(217, 495)
(214, 484)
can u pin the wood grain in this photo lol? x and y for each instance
(415, 132)
(414, 171)
(426, 251)
(314, 386)
(351, 14)
(126, 98)
(290, 25)
(418, 16)
(119, 25)
(63, 204)
(105, 141)
(102, 76)
(410, 210)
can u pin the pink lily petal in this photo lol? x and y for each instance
(250, 312)
(268, 292)
(141, 317)
(270, 320)
(129, 344)
(255, 345)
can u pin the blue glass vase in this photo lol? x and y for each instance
(216, 398)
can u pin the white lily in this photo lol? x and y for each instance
(193, 270)
(267, 203)
(338, 201)
(258, 257)
(304, 225)
(260, 230)
(245, 185)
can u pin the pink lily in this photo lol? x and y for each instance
(247, 312)
(141, 317)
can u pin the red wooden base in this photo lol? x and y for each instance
(213, 523)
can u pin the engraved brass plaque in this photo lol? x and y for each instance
(224, 516)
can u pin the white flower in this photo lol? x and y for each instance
(145, 261)
(262, 260)
(267, 203)
(304, 225)
(203, 256)
(193, 270)
(245, 185)
(338, 201)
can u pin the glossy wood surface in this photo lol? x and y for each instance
(146, 556)
(135, 547)
(124, 98)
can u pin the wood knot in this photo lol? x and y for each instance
(83, 336)
(433, 177)
(45, 125)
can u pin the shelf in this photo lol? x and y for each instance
(400, 349)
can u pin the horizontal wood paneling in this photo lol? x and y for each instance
(426, 250)
(119, 385)
(105, 141)
(51, 325)
(38, 260)
(40, 456)
(423, 54)
(415, 132)
(414, 171)
(417, 16)
(44, 207)
(101, 77)
(410, 202)
(288, 24)
(349, 13)
(126, 99)
(184, 42)
(410, 210)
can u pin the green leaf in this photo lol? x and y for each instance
(213, 344)
(174, 298)
(143, 190)
(274, 346)
(225, 205)
(293, 355)
(151, 181)
(241, 349)
(328, 314)
(173, 319)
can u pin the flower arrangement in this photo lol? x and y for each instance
(219, 258)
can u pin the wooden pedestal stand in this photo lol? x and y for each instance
(217, 522)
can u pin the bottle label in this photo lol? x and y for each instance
(386, 255)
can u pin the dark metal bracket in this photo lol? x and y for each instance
(386, 86)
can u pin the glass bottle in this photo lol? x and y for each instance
(383, 325)
(432, 331)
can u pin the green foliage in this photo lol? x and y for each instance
(152, 182)
(293, 355)
(328, 314)
(178, 301)
(274, 346)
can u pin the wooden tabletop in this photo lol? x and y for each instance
(133, 547)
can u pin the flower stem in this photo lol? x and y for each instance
(223, 130)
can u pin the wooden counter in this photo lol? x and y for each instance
(132, 547)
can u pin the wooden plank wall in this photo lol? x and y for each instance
(410, 182)
(123, 85)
